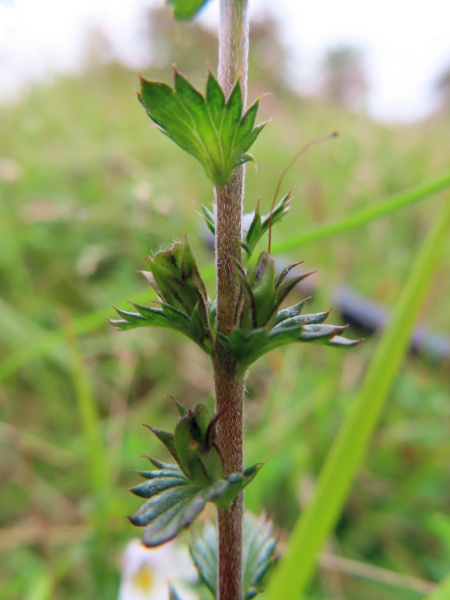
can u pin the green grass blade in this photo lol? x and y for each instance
(97, 466)
(48, 341)
(361, 217)
(347, 453)
(442, 592)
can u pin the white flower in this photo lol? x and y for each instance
(147, 571)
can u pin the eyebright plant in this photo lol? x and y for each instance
(245, 321)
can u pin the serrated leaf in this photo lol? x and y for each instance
(253, 233)
(167, 438)
(182, 410)
(174, 502)
(343, 342)
(184, 300)
(151, 488)
(254, 226)
(291, 312)
(184, 10)
(169, 318)
(257, 554)
(284, 288)
(248, 346)
(204, 554)
(237, 482)
(170, 471)
(262, 280)
(201, 464)
(210, 128)
(311, 319)
(209, 218)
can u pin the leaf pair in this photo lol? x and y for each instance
(211, 127)
(254, 225)
(176, 494)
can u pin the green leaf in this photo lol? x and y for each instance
(174, 502)
(176, 278)
(262, 281)
(184, 10)
(209, 218)
(248, 346)
(291, 312)
(237, 482)
(176, 494)
(210, 128)
(167, 438)
(257, 554)
(259, 329)
(199, 461)
(254, 226)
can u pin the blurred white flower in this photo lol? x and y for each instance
(147, 571)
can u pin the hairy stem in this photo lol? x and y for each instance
(229, 387)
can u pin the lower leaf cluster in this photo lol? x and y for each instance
(177, 493)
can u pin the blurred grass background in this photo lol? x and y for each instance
(88, 189)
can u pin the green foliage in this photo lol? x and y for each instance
(442, 592)
(211, 128)
(72, 186)
(254, 225)
(184, 10)
(177, 494)
(260, 328)
(257, 553)
(185, 306)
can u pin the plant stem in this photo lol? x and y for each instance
(229, 387)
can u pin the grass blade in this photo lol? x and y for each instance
(96, 453)
(347, 453)
(361, 217)
(442, 592)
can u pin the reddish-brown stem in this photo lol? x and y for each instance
(229, 386)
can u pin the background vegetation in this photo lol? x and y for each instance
(88, 189)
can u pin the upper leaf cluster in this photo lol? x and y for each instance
(211, 127)
(260, 324)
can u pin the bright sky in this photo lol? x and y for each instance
(406, 42)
